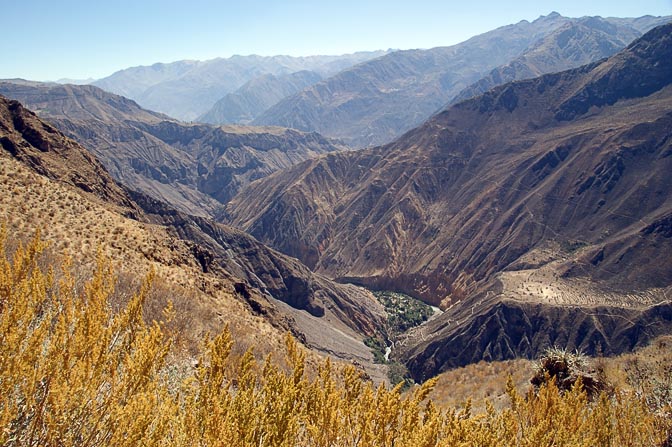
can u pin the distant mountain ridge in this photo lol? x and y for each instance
(187, 89)
(257, 95)
(196, 168)
(541, 205)
(576, 43)
(375, 102)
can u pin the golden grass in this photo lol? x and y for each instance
(481, 382)
(75, 223)
(75, 372)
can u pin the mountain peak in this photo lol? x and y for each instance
(552, 16)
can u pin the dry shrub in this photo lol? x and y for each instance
(75, 372)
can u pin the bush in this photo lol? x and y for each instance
(566, 369)
(71, 371)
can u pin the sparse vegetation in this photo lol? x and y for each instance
(404, 312)
(203, 303)
(77, 372)
(571, 246)
(650, 376)
(398, 373)
(482, 382)
(378, 347)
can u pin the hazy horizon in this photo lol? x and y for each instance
(75, 39)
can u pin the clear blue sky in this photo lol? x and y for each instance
(52, 39)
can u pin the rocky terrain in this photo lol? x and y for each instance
(257, 95)
(193, 167)
(187, 89)
(376, 101)
(234, 278)
(538, 213)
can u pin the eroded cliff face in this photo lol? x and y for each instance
(565, 174)
(228, 158)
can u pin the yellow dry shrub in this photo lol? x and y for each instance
(71, 372)
(74, 373)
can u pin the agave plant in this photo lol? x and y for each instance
(567, 368)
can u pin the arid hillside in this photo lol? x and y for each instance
(539, 198)
(215, 274)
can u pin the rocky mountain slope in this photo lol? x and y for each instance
(576, 43)
(188, 89)
(66, 192)
(51, 154)
(257, 95)
(535, 214)
(375, 102)
(194, 167)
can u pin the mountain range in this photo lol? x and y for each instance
(538, 213)
(187, 89)
(371, 98)
(376, 101)
(533, 206)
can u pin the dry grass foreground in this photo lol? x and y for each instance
(79, 225)
(74, 372)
